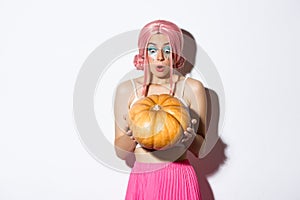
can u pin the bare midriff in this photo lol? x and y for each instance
(159, 156)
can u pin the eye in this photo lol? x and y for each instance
(152, 50)
(167, 50)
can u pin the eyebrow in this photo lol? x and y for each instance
(156, 44)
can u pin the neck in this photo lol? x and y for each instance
(161, 81)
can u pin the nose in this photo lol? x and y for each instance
(160, 55)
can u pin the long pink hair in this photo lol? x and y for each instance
(174, 34)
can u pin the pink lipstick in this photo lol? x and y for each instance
(160, 68)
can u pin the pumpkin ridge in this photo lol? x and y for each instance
(140, 101)
(150, 97)
(181, 125)
(173, 106)
(142, 104)
(178, 122)
(152, 129)
(161, 103)
(139, 113)
(167, 111)
(169, 138)
(152, 117)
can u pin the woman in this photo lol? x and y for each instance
(161, 174)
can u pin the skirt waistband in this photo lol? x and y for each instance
(142, 167)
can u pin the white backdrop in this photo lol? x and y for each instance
(253, 44)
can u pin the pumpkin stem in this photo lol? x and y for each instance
(156, 107)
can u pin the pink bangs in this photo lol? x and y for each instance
(173, 32)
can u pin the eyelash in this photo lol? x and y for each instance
(153, 50)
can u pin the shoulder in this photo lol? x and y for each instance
(128, 84)
(195, 85)
(124, 87)
(125, 91)
(127, 87)
(122, 96)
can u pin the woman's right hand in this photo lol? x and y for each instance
(189, 133)
(129, 133)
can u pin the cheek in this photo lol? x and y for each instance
(152, 56)
(151, 60)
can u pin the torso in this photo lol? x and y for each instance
(176, 153)
(144, 155)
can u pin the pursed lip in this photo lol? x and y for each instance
(160, 68)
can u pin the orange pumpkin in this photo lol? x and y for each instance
(158, 121)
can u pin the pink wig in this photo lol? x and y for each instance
(174, 34)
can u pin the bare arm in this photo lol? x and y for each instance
(198, 104)
(124, 145)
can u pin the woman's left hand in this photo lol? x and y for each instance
(189, 133)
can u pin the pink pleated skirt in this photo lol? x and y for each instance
(163, 181)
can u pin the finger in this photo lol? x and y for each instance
(183, 140)
(131, 137)
(186, 138)
(194, 121)
(129, 132)
(186, 133)
(189, 129)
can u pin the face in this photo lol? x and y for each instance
(159, 55)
